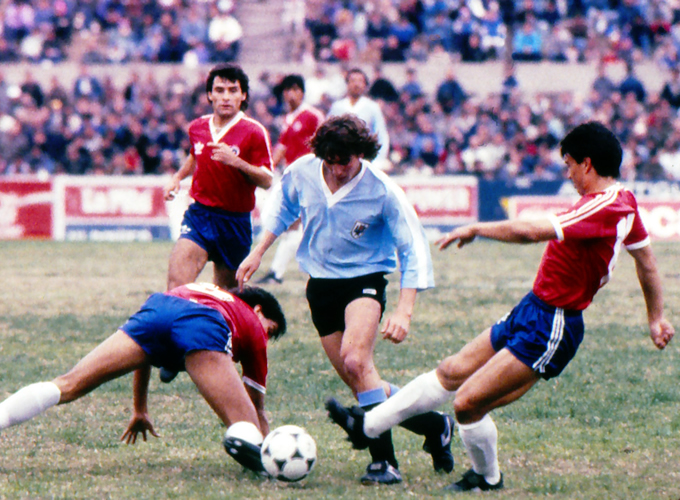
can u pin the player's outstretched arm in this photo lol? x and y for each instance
(508, 231)
(660, 329)
(140, 421)
(252, 262)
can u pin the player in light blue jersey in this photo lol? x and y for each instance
(357, 227)
(357, 103)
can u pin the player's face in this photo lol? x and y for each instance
(269, 325)
(356, 85)
(575, 172)
(293, 97)
(226, 97)
(342, 170)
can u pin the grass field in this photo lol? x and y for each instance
(608, 428)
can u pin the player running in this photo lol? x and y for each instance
(230, 156)
(539, 337)
(355, 222)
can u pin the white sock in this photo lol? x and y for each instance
(481, 440)
(422, 394)
(285, 252)
(28, 402)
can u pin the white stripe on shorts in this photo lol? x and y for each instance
(555, 338)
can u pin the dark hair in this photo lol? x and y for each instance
(232, 73)
(359, 71)
(290, 81)
(343, 136)
(595, 141)
(271, 309)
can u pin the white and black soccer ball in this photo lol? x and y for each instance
(288, 453)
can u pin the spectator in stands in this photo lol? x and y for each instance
(224, 33)
(493, 31)
(382, 88)
(528, 42)
(464, 25)
(439, 30)
(632, 84)
(174, 47)
(450, 95)
(603, 85)
(87, 86)
(671, 89)
(412, 87)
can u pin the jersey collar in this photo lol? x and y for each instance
(218, 134)
(333, 198)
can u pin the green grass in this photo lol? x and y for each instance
(608, 428)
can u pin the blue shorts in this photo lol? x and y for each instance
(168, 328)
(226, 236)
(543, 337)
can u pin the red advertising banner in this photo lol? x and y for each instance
(110, 208)
(25, 208)
(442, 201)
(661, 217)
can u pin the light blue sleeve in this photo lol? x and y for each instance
(413, 248)
(285, 207)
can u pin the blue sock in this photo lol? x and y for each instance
(372, 397)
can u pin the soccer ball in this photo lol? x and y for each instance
(288, 453)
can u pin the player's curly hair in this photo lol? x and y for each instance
(343, 136)
(232, 73)
(595, 141)
(271, 309)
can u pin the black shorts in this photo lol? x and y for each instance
(328, 299)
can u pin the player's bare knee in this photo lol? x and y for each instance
(448, 374)
(356, 365)
(466, 410)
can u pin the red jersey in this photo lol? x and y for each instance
(589, 239)
(215, 184)
(299, 127)
(248, 337)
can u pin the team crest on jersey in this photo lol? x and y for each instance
(359, 229)
(235, 149)
(198, 148)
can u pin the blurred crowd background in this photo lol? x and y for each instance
(137, 124)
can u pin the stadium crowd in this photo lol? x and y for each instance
(98, 127)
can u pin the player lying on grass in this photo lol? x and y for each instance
(197, 327)
(542, 333)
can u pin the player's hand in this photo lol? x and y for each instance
(661, 332)
(464, 235)
(171, 189)
(139, 423)
(247, 268)
(223, 153)
(396, 328)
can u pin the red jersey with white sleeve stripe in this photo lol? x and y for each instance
(248, 336)
(589, 239)
(215, 184)
(299, 126)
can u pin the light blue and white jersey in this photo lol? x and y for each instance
(369, 111)
(362, 228)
